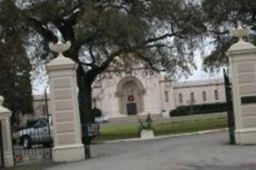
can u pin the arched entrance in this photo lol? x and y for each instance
(130, 93)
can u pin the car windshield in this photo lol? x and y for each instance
(38, 123)
(31, 123)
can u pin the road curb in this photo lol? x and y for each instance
(165, 136)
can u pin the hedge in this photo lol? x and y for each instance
(199, 109)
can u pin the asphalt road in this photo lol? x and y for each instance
(198, 152)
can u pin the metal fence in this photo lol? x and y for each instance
(32, 143)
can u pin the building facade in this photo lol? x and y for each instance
(141, 92)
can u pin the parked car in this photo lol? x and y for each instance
(101, 119)
(40, 132)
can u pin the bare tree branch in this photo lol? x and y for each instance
(147, 60)
(86, 64)
(167, 35)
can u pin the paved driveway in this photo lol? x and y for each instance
(198, 152)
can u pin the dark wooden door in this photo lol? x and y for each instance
(131, 108)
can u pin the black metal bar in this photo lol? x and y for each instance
(47, 113)
(1, 147)
(46, 110)
(229, 100)
(86, 141)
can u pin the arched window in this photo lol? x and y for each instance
(204, 96)
(216, 94)
(166, 96)
(180, 98)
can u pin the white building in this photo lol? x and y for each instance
(141, 92)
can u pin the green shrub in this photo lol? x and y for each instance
(199, 109)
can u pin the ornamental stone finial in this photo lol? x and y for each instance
(60, 61)
(60, 47)
(241, 32)
(241, 46)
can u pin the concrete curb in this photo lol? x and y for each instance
(165, 136)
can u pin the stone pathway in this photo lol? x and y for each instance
(197, 152)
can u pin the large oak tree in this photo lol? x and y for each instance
(161, 33)
(158, 34)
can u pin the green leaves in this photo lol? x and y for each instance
(221, 17)
(15, 67)
(105, 27)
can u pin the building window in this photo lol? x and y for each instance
(216, 94)
(204, 96)
(192, 98)
(94, 102)
(166, 96)
(180, 98)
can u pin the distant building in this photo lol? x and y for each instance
(139, 92)
(39, 105)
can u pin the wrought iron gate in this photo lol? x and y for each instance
(1, 148)
(229, 100)
(32, 143)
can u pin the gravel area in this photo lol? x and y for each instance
(197, 152)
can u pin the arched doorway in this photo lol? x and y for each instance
(130, 93)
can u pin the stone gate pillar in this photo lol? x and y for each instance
(64, 107)
(5, 115)
(242, 57)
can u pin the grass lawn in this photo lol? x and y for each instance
(111, 132)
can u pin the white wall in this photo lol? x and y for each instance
(106, 93)
(198, 94)
(152, 98)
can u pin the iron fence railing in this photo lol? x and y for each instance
(32, 143)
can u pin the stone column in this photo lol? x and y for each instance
(242, 57)
(64, 107)
(5, 115)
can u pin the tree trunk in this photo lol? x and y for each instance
(85, 80)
